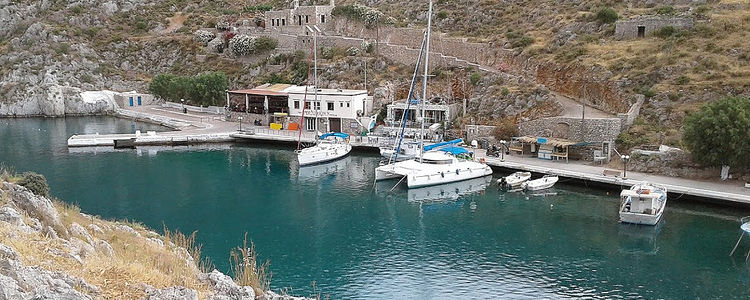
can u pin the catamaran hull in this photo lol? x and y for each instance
(433, 177)
(448, 176)
(322, 156)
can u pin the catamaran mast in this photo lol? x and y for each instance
(424, 81)
(315, 77)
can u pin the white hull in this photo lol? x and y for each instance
(420, 174)
(643, 219)
(514, 181)
(540, 184)
(322, 152)
(643, 204)
(390, 153)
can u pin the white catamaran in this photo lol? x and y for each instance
(438, 166)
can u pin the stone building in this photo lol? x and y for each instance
(642, 26)
(294, 20)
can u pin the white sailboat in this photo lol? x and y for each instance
(329, 147)
(643, 203)
(437, 166)
(409, 150)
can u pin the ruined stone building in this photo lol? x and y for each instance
(294, 20)
(642, 26)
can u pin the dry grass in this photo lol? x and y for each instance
(247, 271)
(136, 259)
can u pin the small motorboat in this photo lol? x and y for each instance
(513, 181)
(539, 184)
(643, 203)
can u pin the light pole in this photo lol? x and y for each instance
(625, 159)
(183, 106)
(503, 146)
(240, 120)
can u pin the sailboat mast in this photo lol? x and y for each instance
(315, 77)
(424, 81)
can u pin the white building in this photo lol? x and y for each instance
(335, 110)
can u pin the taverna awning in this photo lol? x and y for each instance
(557, 142)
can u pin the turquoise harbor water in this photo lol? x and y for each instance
(331, 225)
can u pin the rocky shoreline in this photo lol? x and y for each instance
(51, 250)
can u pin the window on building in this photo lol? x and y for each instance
(307, 18)
(317, 105)
(296, 104)
(341, 104)
(322, 18)
(283, 22)
(347, 104)
(299, 20)
(641, 31)
(307, 105)
(330, 105)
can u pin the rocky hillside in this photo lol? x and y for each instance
(51, 250)
(52, 49)
(677, 70)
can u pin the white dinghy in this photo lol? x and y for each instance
(539, 184)
(330, 146)
(643, 203)
(513, 181)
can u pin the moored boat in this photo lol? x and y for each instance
(513, 181)
(329, 147)
(643, 203)
(433, 168)
(539, 184)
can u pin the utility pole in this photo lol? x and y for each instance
(583, 102)
(365, 74)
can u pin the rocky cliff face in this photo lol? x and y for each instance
(49, 54)
(53, 251)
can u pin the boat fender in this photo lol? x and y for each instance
(456, 171)
(442, 174)
(482, 160)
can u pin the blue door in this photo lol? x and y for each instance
(139, 100)
(131, 101)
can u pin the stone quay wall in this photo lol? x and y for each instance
(574, 129)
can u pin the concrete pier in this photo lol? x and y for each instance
(677, 187)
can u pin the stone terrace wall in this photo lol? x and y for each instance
(588, 130)
(590, 85)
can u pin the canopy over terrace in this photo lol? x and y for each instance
(264, 99)
(548, 148)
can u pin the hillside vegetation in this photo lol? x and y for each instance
(123, 44)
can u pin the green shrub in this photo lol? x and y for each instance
(718, 134)
(505, 91)
(76, 10)
(664, 10)
(265, 44)
(202, 89)
(36, 183)
(257, 8)
(442, 15)
(665, 32)
(475, 78)
(607, 15)
(682, 80)
(62, 48)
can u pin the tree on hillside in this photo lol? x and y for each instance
(719, 134)
(202, 89)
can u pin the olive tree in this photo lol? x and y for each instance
(719, 134)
